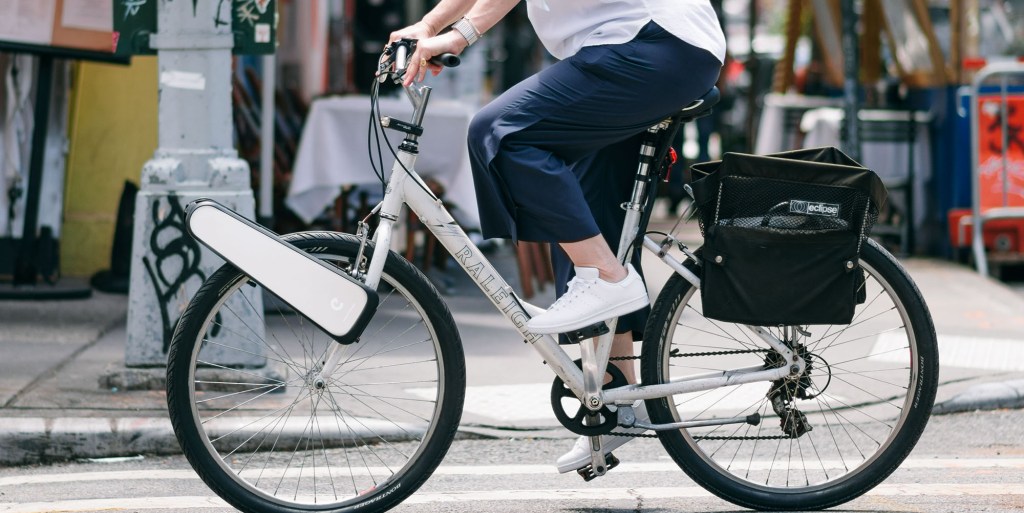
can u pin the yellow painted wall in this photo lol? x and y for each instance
(113, 132)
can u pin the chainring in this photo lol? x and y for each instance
(578, 422)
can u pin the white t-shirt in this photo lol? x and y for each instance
(565, 26)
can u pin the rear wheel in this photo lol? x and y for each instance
(267, 433)
(825, 437)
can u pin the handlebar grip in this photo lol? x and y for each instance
(448, 60)
(401, 54)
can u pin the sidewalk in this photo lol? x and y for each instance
(53, 407)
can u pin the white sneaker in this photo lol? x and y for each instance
(579, 456)
(590, 300)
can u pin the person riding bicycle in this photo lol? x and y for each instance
(553, 157)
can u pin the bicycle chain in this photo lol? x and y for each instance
(645, 435)
(688, 355)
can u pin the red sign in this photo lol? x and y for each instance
(1001, 159)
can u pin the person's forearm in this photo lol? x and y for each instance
(484, 14)
(445, 13)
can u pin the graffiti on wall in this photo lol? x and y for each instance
(132, 7)
(176, 260)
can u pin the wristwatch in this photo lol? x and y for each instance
(467, 29)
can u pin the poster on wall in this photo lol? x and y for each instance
(58, 26)
(95, 15)
(28, 21)
(1001, 155)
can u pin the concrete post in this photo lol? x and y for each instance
(195, 159)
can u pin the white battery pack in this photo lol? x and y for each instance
(333, 300)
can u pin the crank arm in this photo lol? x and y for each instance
(597, 456)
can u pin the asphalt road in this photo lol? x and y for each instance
(964, 463)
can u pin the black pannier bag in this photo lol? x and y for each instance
(783, 234)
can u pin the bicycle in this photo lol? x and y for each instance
(766, 417)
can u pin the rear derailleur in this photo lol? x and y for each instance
(784, 393)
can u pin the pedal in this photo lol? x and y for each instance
(587, 472)
(592, 331)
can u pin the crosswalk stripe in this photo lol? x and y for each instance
(957, 351)
(590, 494)
(488, 470)
(120, 504)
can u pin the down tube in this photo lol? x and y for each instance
(451, 236)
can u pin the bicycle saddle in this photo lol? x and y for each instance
(701, 106)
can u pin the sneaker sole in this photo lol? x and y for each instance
(614, 442)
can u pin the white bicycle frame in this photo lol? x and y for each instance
(406, 187)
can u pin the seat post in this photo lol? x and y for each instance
(653, 149)
(638, 200)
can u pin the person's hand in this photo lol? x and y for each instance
(418, 30)
(448, 42)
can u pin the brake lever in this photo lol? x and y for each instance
(389, 60)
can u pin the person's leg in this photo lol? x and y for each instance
(622, 346)
(606, 178)
(526, 145)
(705, 126)
(595, 252)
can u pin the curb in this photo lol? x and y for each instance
(33, 440)
(37, 440)
(985, 396)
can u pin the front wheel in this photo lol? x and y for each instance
(267, 432)
(825, 437)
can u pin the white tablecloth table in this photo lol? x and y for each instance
(779, 128)
(885, 149)
(333, 153)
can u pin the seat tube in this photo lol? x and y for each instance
(634, 208)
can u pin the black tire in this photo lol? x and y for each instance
(369, 436)
(872, 385)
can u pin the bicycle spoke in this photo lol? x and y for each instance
(233, 408)
(385, 402)
(247, 391)
(391, 366)
(350, 360)
(904, 348)
(259, 315)
(865, 376)
(365, 444)
(870, 335)
(280, 359)
(296, 401)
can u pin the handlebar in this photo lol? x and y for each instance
(448, 60)
(403, 47)
(393, 65)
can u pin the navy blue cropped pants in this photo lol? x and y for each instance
(554, 157)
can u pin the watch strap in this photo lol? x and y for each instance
(467, 30)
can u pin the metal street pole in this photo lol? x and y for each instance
(851, 72)
(266, 214)
(195, 159)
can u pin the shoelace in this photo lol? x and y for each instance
(575, 288)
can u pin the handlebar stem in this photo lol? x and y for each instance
(419, 97)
